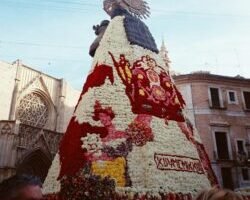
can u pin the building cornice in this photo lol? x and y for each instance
(206, 77)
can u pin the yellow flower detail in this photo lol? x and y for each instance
(140, 76)
(114, 169)
(176, 100)
(158, 92)
(128, 72)
(141, 92)
(122, 73)
(167, 84)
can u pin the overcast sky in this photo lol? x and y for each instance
(54, 35)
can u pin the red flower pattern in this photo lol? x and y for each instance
(140, 133)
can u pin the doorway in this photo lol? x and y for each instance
(36, 163)
(227, 178)
(222, 145)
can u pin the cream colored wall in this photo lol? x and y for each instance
(18, 80)
(71, 99)
(186, 92)
(7, 81)
(60, 96)
(49, 87)
(30, 77)
(67, 101)
(6, 142)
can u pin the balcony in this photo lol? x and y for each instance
(217, 108)
(225, 158)
(242, 159)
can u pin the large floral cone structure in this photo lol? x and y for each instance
(128, 137)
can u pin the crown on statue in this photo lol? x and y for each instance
(138, 8)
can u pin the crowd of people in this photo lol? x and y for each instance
(21, 187)
(27, 187)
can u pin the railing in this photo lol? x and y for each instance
(224, 158)
(241, 158)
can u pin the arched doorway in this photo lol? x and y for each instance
(36, 163)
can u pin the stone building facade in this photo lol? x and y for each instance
(219, 107)
(34, 112)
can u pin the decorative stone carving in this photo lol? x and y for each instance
(33, 110)
(28, 137)
(53, 139)
(6, 129)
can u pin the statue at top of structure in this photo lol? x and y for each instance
(138, 8)
(137, 32)
(128, 137)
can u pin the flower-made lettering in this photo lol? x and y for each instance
(178, 163)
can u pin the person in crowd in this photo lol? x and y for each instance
(218, 194)
(21, 187)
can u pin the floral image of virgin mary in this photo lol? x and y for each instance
(107, 155)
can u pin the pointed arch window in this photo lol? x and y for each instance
(33, 110)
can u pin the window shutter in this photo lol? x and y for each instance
(215, 97)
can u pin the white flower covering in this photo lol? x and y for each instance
(93, 144)
(116, 142)
(168, 139)
(51, 184)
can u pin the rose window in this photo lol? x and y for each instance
(33, 111)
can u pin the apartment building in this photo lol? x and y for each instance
(219, 107)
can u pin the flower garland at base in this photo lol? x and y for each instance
(169, 196)
(92, 187)
(52, 197)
